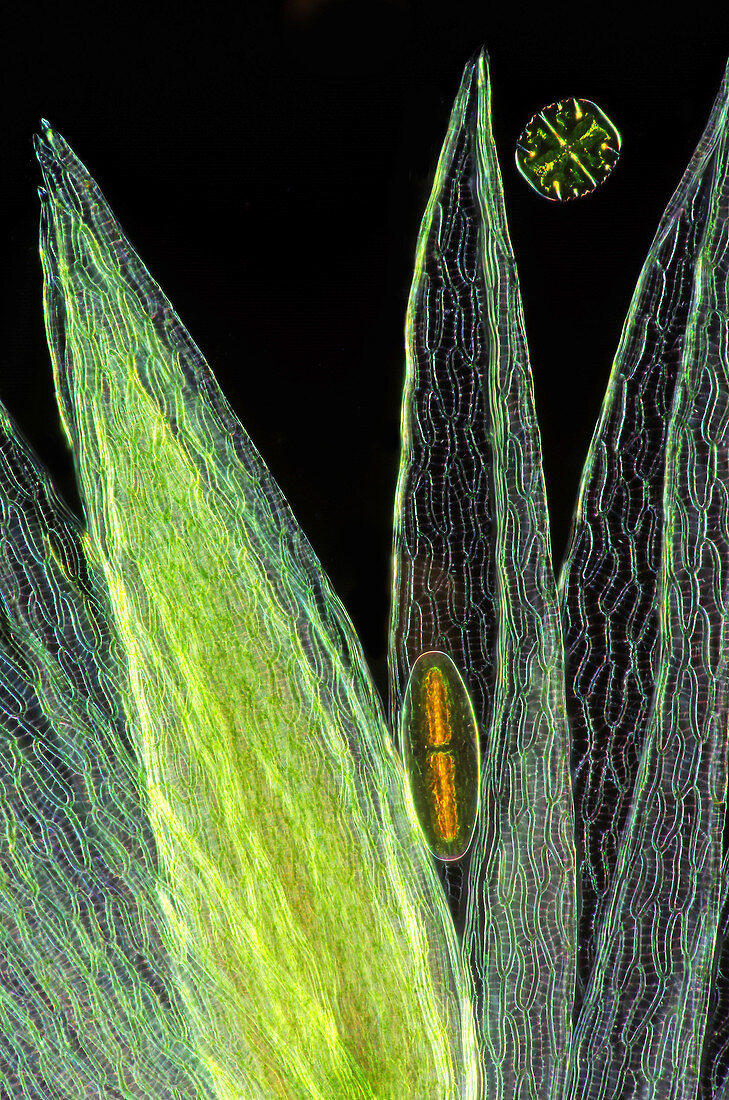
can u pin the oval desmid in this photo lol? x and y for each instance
(441, 754)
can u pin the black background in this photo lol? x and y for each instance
(271, 163)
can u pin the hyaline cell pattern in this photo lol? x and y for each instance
(441, 754)
(568, 149)
(195, 690)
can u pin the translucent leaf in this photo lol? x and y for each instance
(646, 595)
(87, 1000)
(311, 944)
(473, 578)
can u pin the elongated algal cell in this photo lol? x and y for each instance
(441, 754)
(568, 149)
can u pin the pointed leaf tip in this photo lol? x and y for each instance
(46, 141)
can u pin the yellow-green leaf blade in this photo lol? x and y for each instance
(314, 952)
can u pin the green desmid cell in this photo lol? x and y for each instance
(441, 754)
(567, 149)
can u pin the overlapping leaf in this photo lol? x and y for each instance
(301, 912)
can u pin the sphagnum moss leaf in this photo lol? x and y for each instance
(473, 579)
(88, 1003)
(311, 942)
(646, 608)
